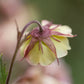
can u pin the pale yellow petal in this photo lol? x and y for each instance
(61, 47)
(47, 57)
(53, 26)
(64, 29)
(23, 47)
(36, 56)
(64, 40)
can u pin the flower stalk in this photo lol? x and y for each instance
(12, 62)
(19, 43)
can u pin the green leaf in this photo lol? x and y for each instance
(3, 73)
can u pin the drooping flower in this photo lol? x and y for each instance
(46, 46)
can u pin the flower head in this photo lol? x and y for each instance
(43, 47)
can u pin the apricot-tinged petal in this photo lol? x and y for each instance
(45, 22)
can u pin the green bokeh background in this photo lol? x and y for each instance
(69, 12)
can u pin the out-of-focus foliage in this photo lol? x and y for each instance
(3, 73)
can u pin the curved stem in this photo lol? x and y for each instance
(40, 27)
(17, 46)
(12, 62)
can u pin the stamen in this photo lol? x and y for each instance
(28, 37)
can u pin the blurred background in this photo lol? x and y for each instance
(65, 12)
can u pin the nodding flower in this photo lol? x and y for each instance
(44, 47)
